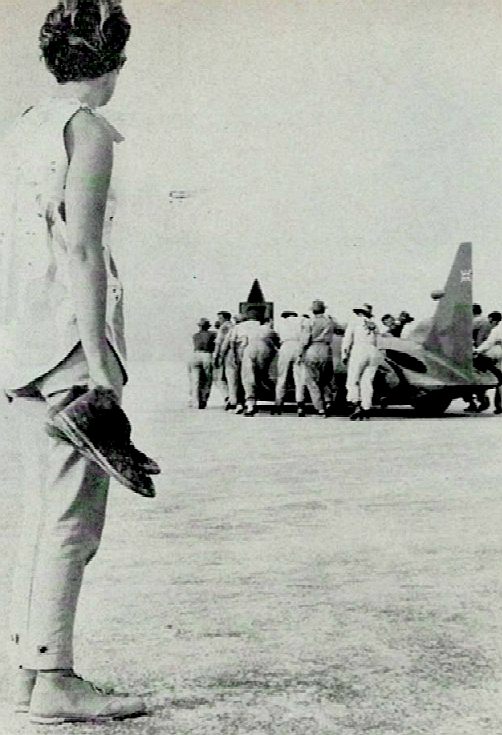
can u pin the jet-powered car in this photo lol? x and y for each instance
(428, 369)
(433, 365)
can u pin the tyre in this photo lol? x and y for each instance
(431, 403)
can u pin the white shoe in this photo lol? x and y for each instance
(66, 697)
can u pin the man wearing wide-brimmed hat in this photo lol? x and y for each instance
(316, 354)
(200, 366)
(359, 349)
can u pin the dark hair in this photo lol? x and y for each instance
(387, 316)
(476, 309)
(84, 39)
(405, 318)
(225, 314)
(495, 316)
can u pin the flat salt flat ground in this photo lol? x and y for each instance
(293, 576)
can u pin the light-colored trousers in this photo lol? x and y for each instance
(318, 374)
(286, 361)
(233, 375)
(220, 379)
(200, 375)
(363, 364)
(256, 361)
(64, 512)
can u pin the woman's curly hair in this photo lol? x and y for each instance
(84, 39)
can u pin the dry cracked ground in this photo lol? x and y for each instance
(293, 576)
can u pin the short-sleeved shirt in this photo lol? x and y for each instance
(289, 329)
(318, 330)
(204, 341)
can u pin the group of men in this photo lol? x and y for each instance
(239, 355)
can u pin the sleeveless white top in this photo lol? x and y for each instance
(38, 315)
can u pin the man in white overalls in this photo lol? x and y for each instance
(289, 331)
(360, 351)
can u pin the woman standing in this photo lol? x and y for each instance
(63, 313)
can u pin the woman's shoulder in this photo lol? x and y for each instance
(85, 124)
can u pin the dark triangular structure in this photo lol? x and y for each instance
(256, 302)
(256, 294)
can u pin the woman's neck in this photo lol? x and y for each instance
(88, 92)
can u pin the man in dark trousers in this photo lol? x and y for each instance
(200, 365)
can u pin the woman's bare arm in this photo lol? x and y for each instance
(90, 150)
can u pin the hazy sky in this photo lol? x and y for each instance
(336, 150)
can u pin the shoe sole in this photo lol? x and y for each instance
(71, 433)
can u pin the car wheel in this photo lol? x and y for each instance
(431, 403)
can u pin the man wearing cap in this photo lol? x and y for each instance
(289, 331)
(200, 366)
(317, 334)
(359, 349)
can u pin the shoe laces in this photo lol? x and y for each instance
(95, 688)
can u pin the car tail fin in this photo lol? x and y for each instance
(450, 335)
